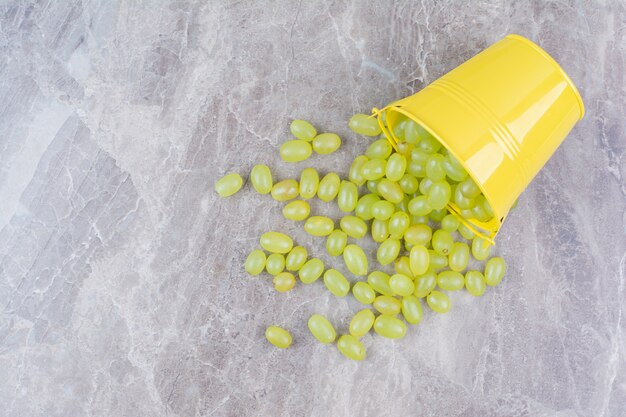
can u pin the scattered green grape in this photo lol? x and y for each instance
(459, 256)
(363, 293)
(398, 224)
(419, 260)
(424, 284)
(450, 280)
(285, 190)
(303, 130)
(469, 188)
(480, 248)
(309, 182)
(361, 323)
(390, 190)
(296, 258)
(278, 336)
(295, 150)
(434, 167)
(409, 184)
(437, 261)
(355, 174)
(425, 185)
(380, 148)
(419, 234)
(365, 125)
(450, 223)
(386, 304)
(466, 232)
(411, 309)
(275, 264)
(380, 230)
(419, 206)
(355, 260)
(494, 271)
(261, 178)
(328, 187)
(475, 283)
(442, 242)
(401, 284)
(336, 283)
(389, 326)
(383, 209)
(297, 210)
(379, 281)
(372, 186)
(255, 262)
(439, 195)
(326, 143)
(321, 328)
(353, 226)
(364, 206)
(396, 166)
(311, 270)
(319, 226)
(348, 196)
(351, 347)
(284, 282)
(336, 242)
(388, 251)
(429, 144)
(276, 242)
(402, 266)
(228, 185)
(438, 302)
(374, 169)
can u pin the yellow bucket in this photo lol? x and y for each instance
(501, 114)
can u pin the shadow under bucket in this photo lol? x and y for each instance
(501, 114)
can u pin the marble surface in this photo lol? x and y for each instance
(122, 288)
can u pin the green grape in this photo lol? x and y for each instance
(409, 184)
(372, 186)
(386, 304)
(390, 190)
(255, 262)
(424, 284)
(463, 202)
(487, 208)
(303, 130)
(401, 284)
(309, 182)
(361, 323)
(329, 187)
(419, 260)
(403, 149)
(297, 210)
(285, 190)
(336, 283)
(379, 281)
(475, 283)
(439, 195)
(419, 234)
(450, 280)
(380, 230)
(295, 150)
(351, 347)
(364, 125)
(311, 270)
(419, 220)
(425, 185)
(278, 336)
(363, 293)
(402, 266)
(412, 132)
(398, 223)
(336, 242)
(276, 242)
(442, 242)
(438, 215)
(355, 174)
(437, 261)
(383, 209)
(353, 226)
(438, 302)
(434, 167)
(411, 309)
(479, 211)
(450, 223)
(467, 214)
(321, 328)
(283, 282)
(459, 256)
(480, 248)
(380, 148)
(319, 226)
(364, 206)
(388, 251)
(469, 188)
(429, 144)
(348, 196)
(275, 264)
(355, 260)
(228, 185)
(396, 166)
(494, 271)
(374, 169)
(398, 128)
(261, 178)
(417, 169)
(454, 170)
(419, 156)
(466, 232)
(419, 206)
(403, 205)
(326, 143)
(390, 327)
(296, 258)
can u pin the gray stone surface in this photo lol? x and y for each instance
(122, 290)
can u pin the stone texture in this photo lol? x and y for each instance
(122, 289)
